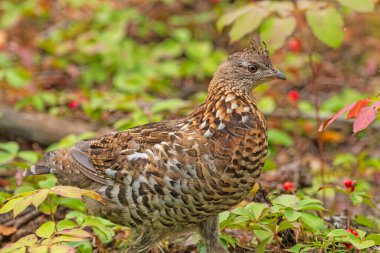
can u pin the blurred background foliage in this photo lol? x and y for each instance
(125, 63)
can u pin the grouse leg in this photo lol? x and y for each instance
(143, 243)
(209, 230)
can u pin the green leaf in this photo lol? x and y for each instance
(92, 221)
(17, 78)
(224, 220)
(75, 204)
(181, 34)
(282, 8)
(49, 98)
(239, 222)
(257, 209)
(61, 248)
(67, 238)
(338, 233)
(266, 104)
(169, 69)
(84, 247)
(38, 103)
(173, 104)
(29, 156)
(67, 191)
(65, 224)
(230, 17)
(6, 157)
(11, 147)
(49, 182)
(247, 23)
(105, 234)
(29, 240)
(78, 216)
(365, 221)
(50, 206)
(309, 204)
(296, 248)
(284, 225)
(241, 211)
(39, 197)
(13, 248)
(263, 234)
(356, 198)
(223, 216)
(361, 233)
(75, 233)
(274, 31)
(198, 50)
(228, 240)
(313, 221)
(359, 5)
(9, 205)
(363, 244)
(327, 25)
(261, 248)
(38, 249)
(46, 230)
(16, 247)
(21, 205)
(286, 200)
(279, 137)
(291, 215)
(24, 189)
(374, 237)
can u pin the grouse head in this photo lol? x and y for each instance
(243, 71)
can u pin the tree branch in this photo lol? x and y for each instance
(40, 127)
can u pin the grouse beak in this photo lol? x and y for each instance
(280, 75)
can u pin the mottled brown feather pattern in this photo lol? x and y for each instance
(174, 175)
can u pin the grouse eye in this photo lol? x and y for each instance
(252, 68)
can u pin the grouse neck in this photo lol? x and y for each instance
(221, 85)
(224, 109)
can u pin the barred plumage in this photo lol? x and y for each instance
(163, 178)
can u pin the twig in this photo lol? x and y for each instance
(21, 220)
(318, 119)
(348, 211)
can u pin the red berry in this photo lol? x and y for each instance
(348, 245)
(352, 232)
(348, 183)
(293, 96)
(288, 186)
(73, 104)
(294, 45)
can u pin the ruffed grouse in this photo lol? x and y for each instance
(166, 177)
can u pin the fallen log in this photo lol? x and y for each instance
(42, 128)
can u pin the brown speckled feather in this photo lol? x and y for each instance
(173, 175)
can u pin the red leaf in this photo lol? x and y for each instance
(365, 117)
(354, 112)
(330, 120)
